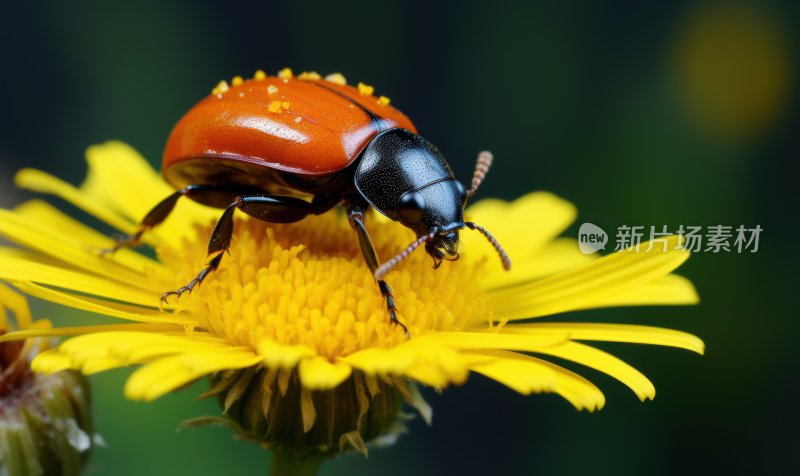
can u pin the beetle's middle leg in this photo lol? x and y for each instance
(355, 216)
(268, 208)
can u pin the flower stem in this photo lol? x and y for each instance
(284, 463)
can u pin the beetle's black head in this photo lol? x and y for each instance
(406, 178)
(435, 211)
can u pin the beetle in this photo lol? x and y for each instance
(261, 145)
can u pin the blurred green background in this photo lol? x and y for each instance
(641, 113)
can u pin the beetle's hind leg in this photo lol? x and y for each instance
(355, 216)
(268, 208)
(160, 212)
(154, 217)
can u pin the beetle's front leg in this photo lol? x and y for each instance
(355, 215)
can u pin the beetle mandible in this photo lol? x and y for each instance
(258, 144)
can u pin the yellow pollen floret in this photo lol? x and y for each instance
(383, 100)
(271, 89)
(275, 106)
(285, 105)
(336, 78)
(365, 89)
(309, 76)
(220, 88)
(260, 75)
(285, 73)
(237, 81)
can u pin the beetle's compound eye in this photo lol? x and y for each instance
(411, 208)
(462, 192)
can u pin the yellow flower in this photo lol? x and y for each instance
(296, 306)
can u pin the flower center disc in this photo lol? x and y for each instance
(306, 283)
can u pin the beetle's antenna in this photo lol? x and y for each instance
(500, 251)
(387, 266)
(485, 159)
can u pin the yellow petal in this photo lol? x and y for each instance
(121, 177)
(436, 362)
(606, 363)
(318, 373)
(9, 252)
(527, 374)
(495, 340)
(17, 304)
(442, 366)
(39, 181)
(15, 269)
(375, 360)
(22, 232)
(438, 366)
(523, 226)
(44, 217)
(556, 256)
(101, 364)
(431, 375)
(523, 376)
(611, 333)
(169, 373)
(583, 286)
(51, 361)
(138, 347)
(54, 360)
(669, 290)
(81, 330)
(577, 390)
(424, 359)
(35, 346)
(280, 355)
(106, 308)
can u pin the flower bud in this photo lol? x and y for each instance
(274, 408)
(45, 420)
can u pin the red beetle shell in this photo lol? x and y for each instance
(306, 127)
